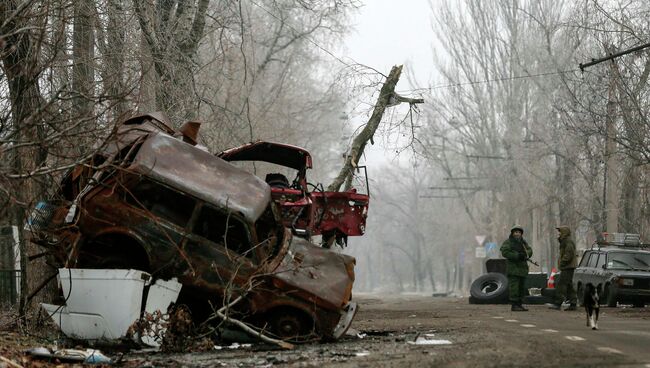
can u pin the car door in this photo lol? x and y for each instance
(600, 274)
(592, 274)
(580, 275)
(220, 251)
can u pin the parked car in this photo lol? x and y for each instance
(622, 271)
(308, 209)
(153, 202)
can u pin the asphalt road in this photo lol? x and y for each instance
(423, 331)
(399, 330)
(617, 335)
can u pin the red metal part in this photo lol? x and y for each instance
(315, 212)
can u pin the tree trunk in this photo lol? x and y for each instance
(22, 70)
(172, 31)
(387, 96)
(83, 53)
(630, 200)
(114, 68)
(564, 177)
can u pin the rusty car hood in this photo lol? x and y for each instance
(275, 153)
(202, 175)
(316, 274)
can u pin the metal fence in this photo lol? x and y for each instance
(8, 286)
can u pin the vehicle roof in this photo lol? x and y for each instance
(202, 175)
(276, 153)
(620, 249)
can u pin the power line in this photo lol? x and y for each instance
(455, 188)
(417, 89)
(491, 80)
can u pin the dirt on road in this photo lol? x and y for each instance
(412, 331)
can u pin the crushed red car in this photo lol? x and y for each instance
(307, 209)
(150, 200)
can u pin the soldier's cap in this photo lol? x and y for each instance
(517, 227)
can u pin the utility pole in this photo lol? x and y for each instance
(611, 200)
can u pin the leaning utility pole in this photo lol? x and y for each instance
(387, 97)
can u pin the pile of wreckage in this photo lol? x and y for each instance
(153, 222)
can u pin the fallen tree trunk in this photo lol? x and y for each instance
(387, 97)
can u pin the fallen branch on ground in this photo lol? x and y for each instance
(10, 362)
(220, 313)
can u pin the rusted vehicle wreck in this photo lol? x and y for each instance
(150, 200)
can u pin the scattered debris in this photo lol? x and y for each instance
(87, 356)
(234, 345)
(428, 339)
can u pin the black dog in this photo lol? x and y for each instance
(590, 301)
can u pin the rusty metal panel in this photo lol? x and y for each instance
(275, 153)
(317, 273)
(202, 175)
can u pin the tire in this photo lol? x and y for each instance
(549, 293)
(292, 325)
(610, 298)
(491, 288)
(580, 295)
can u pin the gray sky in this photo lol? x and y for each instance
(390, 32)
(387, 33)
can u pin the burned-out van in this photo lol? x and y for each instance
(151, 201)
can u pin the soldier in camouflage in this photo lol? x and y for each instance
(517, 251)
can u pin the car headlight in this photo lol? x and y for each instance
(625, 282)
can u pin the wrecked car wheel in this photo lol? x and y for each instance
(491, 288)
(292, 325)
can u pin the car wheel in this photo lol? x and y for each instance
(579, 295)
(292, 325)
(610, 297)
(491, 288)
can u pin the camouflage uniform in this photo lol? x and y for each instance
(567, 264)
(516, 251)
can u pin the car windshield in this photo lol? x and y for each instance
(629, 261)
